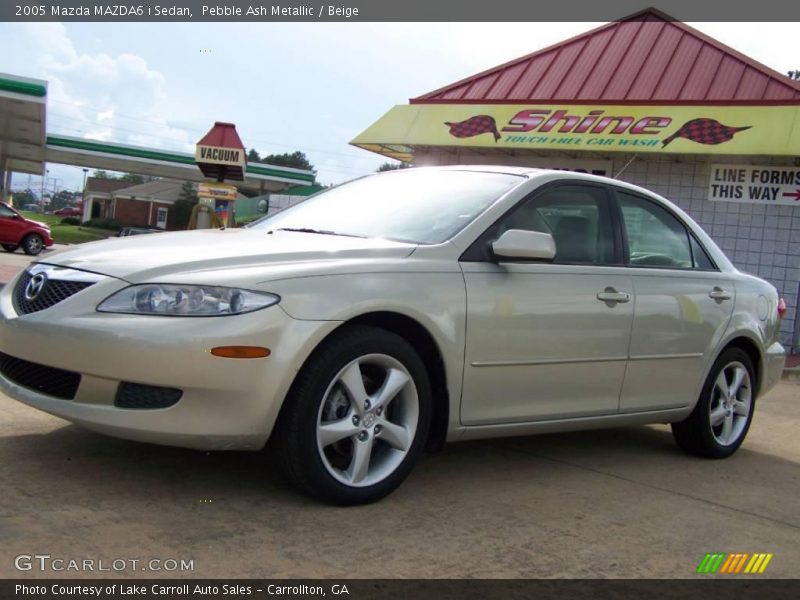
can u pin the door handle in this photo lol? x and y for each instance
(719, 294)
(611, 295)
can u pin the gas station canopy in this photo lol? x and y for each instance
(25, 146)
(22, 124)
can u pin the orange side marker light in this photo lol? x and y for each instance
(241, 352)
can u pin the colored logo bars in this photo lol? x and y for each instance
(732, 564)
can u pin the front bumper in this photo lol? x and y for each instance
(226, 403)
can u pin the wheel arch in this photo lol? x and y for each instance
(423, 342)
(749, 347)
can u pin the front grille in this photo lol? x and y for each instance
(39, 378)
(136, 395)
(53, 291)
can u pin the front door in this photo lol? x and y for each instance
(548, 340)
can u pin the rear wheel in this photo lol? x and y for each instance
(357, 417)
(32, 244)
(720, 421)
(10, 247)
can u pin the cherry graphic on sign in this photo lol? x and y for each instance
(474, 126)
(705, 131)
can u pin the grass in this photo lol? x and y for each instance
(67, 234)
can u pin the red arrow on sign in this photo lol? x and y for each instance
(795, 194)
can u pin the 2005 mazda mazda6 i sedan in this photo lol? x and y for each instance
(397, 312)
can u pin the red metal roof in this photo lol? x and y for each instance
(222, 135)
(647, 57)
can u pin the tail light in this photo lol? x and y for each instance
(781, 308)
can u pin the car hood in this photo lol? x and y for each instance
(136, 258)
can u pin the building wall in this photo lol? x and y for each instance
(137, 212)
(760, 239)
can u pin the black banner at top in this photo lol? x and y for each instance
(391, 10)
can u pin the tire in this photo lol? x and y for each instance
(356, 418)
(32, 244)
(10, 247)
(720, 421)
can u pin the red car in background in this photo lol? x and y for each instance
(68, 211)
(16, 231)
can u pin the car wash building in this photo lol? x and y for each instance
(647, 100)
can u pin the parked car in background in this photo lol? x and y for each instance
(126, 231)
(17, 231)
(68, 211)
(397, 312)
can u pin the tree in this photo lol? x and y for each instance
(24, 197)
(63, 198)
(132, 178)
(387, 166)
(135, 178)
(295, 160)
(253, 156)
(181, 210)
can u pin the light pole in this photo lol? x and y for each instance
(83, 195)
(41, 197)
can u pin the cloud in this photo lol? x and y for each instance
(98, 96)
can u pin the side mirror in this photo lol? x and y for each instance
(522, 244)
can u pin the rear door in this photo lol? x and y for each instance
(548, 340)
(682, 306)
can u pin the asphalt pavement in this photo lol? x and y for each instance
(616, 503)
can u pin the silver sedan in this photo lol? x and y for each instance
(398, 312)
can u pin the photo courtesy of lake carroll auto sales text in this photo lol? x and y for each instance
(418, 300)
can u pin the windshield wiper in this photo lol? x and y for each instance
(319, 231)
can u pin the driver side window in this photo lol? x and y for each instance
(577, 218)
(655, 237)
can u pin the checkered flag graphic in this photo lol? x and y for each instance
(474, 126)
(705, 131)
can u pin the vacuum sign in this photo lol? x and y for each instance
(756, 184)
(219, 155)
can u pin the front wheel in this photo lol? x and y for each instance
(720, 421)
(32, 244)
(356, 418)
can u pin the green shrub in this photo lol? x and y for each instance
(111, 224)
(71, 221)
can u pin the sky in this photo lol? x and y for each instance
(287, 86)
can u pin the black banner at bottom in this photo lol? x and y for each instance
(435, 589)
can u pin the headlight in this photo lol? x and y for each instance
(186, 301)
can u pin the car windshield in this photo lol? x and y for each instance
(423, 206)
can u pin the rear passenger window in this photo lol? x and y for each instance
(577, 218)
(656, 238)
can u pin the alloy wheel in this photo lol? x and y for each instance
(367, 420)
(731, 402)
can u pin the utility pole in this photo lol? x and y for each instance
(41, 196)
(83, 194)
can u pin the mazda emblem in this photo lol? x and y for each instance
(35, 286)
